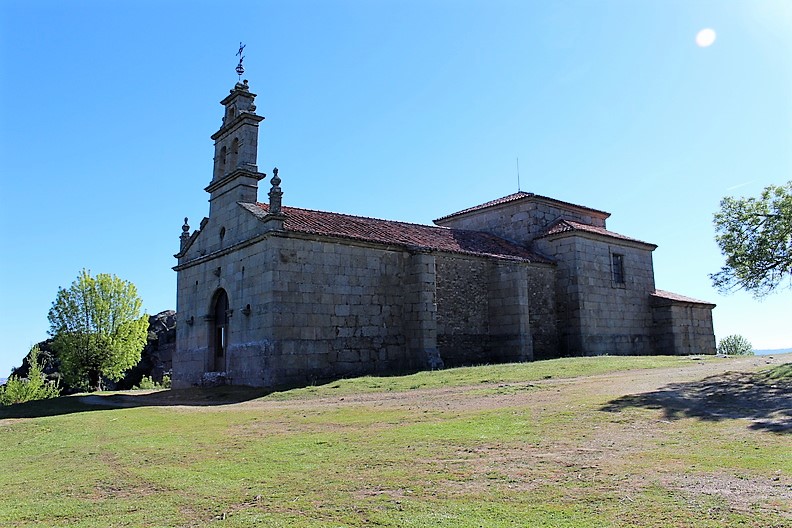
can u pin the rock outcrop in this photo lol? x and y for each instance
(157, 356)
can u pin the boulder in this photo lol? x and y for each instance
(156, 359)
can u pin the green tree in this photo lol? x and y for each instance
(735, 345)
(755, 236)
(34, 387)
(97, 328)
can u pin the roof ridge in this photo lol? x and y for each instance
(574, 225)
(518, 196)
(497, 201)
(286, 208)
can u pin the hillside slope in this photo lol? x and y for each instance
(575, 442)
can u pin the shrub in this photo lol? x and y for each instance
(148, 383)
(735, 345)
(34, 387)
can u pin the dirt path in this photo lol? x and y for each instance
(621, 384)
(616, 384)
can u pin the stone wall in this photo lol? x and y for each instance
(522, 220)
(339, 311)
(509, 314)
(682, 328)
(567, 293)
(543, 310)
(420, 311)
(462, 310)
(598, 315)
(494, 311)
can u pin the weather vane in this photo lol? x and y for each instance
(240, 69)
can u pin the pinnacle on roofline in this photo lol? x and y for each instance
(275, 194)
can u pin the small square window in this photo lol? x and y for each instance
(617, 266)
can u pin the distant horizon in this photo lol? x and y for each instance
(767, 352)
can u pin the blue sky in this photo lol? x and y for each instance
(406, 110)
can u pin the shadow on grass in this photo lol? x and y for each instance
(763, 397)
(215, 396)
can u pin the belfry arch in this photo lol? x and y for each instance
(218, 334)
(234, 154)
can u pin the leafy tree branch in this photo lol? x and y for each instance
(755, 236)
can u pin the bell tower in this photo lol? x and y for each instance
(235, 177)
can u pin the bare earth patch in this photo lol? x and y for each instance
(740, 493)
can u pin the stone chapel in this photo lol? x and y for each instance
(274, 296)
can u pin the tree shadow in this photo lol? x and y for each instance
(197, 397)
(759, 397)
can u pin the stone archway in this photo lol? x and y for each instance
(219, 331)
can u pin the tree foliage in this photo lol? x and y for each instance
(735, 345)
(34, 387)
(755, 236)
(98, 329)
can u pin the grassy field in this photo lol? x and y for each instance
(646, 441)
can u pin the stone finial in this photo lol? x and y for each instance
(275, 193)
(185, 235)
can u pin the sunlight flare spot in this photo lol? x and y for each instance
(705, 38)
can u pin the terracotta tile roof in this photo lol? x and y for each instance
(519, 196)
(563, 226)
(401, 234)
(670, 296)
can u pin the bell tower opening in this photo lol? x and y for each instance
(234, 153)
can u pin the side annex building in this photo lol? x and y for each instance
(276, 296)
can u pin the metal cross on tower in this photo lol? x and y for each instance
(240, 69)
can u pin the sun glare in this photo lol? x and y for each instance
(705, 38)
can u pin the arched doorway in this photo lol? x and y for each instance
(219, 331)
